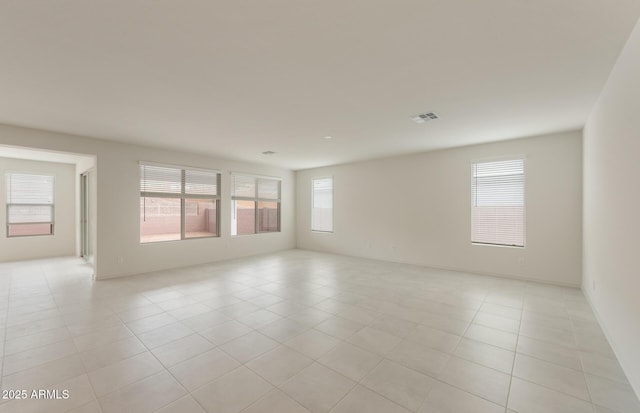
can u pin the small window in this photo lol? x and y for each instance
(30, 207)
(255, 204)
(322, 205)
(497, 195)
(178, 203)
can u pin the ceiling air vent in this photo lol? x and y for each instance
(424, 117)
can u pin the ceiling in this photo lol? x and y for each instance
(236, 78)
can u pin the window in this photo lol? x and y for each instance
(255, 204)
(497, 194)
(178, 203)
(29, 205)
(322, 205)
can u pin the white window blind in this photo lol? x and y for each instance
(178, 182)
(244, 186)
(498, 209)
(178, 203)
(268, 189)
(29, 198)
(322, 205)
(29, 204)
(204, 183)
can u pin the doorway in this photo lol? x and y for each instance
(86, 250)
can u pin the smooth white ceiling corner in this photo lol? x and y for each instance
(236, 78)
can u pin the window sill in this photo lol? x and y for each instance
(482, 244)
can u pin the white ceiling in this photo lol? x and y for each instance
(236, 78)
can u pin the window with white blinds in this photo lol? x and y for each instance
(497, 197)
(322, 205)
(178, 203)
(255, 204)
(30, 206)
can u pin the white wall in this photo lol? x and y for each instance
(612, 207)
(416, 209)
(62, 242)
(119, 251)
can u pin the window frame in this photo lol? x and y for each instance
(256, 201)
(8, 205)
(522, 158)
(313, 201)
(183, 196)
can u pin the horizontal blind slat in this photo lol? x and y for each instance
(29, 198)
(160, 179)
(244, 186)
(29, 189)
(497, 191)
(201, 183)
(268, 188)
(256, 188)
(21, 214)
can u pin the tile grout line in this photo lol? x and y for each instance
(452, 354)
(4, 338)
(515, 350)
(77, 352)
(357, 383)
(216, 346)
(165, 368)
(46, 280)
(584, 374)
(573, 329)
(86, 373)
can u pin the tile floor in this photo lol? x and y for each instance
(300, 332)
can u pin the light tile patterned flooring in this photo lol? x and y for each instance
(298, 332)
